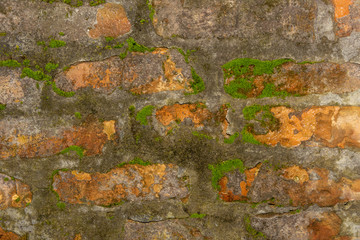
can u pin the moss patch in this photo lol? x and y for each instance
(2, 107)
(242, 72)
(247, 136)
(232, 138)
(133, 46)
(253, 232)
(79, 150)
(137, 161)
(145, 112)
(219, 170)
(201, 135)
(151, 9)
(197, 84)
(263, 115)
(10, 63)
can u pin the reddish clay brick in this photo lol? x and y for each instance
(347, 15)
(141, 73)
(22, 138)
(13, 193)
(131, 182)
(330, 126)
(111, 22)
(4, 235)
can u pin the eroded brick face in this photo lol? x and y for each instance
(330, 126)
(314, 225)
(13, 193)
(19, 138)
(141, 73)
(347, 14)
(4, 235)
(131, 182)
(111, 21)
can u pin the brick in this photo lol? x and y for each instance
(347, 15)
(111, 21)
(300, 187)
(330, 126)
(29, 138)
(291, 78)
(17, 91)
(132, 182)
(140, 73)
(13, 193)
(307, 225)
(170, 229)
(229, 19)
(5, 235)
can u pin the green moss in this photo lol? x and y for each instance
(61, 34)
(2, 107)
(142, 21)
(243, 70)
(61, 205)
(56, 43)
(152, 10)
(51, 67)
(196, 84)
(186, 55)
(6, 179)
(96, 2)
(219, 170)
(78, 3)
(253, 232)
(3, 34)
(38, 75)
(109, 39)
(201, 135)
(232, 138)
(59, 91)
(18, 199)
(26, 62)
(250, 112)
(145, 112)
(10, 63)
(78, 115)
(79, 150)
(137, 161)
(261, 114)
(247, 136)
(133, 46)
(270, 91)
(197, 215)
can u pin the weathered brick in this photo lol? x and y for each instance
(347, 15)
(111, 21)
(132, 182)
(300, 187)
(13, 193)
(307, 225)
(288, 78)
(5, 235)
(330, 126)
(29, 138)
(225, 19)
(170, 229)
(141, 73)
(17, 91)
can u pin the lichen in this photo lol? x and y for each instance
(145, 112)
(219, 170)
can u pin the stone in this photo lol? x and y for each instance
(13, 193)
(330, 126)
(170, 229)
(20, 138)
(111, 21)
(132, 182)
(140, 73)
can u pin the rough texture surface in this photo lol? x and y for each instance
(176, 119)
